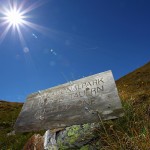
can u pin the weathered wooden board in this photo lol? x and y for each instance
(76, 102)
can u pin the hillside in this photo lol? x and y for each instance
(131, 132)
(8, 113)
(135, 85)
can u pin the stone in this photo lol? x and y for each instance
(76, 136)
(73, 137)
(36, 142)
(50, 141)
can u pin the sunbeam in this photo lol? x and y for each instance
(2, 37)
(14, 16)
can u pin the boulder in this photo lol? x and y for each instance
(36, 142)
(73, 137)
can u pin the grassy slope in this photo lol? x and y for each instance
(136, 84)
(129, 132)
(8, 114)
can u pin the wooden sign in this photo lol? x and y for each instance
(76, 102)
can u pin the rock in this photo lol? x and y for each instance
(73, 137)
(76, 136)
(11, 133)
(50, 141)
(36, 142)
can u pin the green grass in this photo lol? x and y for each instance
(8, 115)
(130, 132)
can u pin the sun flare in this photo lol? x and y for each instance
(14, 17)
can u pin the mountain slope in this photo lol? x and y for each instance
(8, 113)
(135, 85)
(129, 132)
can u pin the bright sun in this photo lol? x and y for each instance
(14, 17)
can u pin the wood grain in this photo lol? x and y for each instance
(76, 102)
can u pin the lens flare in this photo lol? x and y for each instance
(14, 16)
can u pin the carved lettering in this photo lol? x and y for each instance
(70, 104)
(54, 100)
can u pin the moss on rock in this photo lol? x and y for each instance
(76, 136)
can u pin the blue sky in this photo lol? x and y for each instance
(72, 39)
